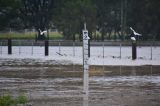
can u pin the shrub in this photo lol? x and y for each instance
(21, 99)
(6, 101)
(9, 101)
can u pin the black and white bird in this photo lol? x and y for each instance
(134, 34)
(42, 32)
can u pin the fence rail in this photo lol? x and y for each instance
(70, 48)
(79, 43)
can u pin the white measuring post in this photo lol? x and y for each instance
(85, 61)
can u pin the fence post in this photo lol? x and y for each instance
(120, 50)
(1, 47)
(46, 47)
(134, 50)
(151, 51)
(59, 47)
(19, 47)
(32, 48)
(103, 49)
(9, 46)
(73, 48)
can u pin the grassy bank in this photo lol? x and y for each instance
(28, 35)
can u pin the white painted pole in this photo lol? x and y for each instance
(85, 61)
(73, 48)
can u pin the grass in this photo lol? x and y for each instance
(55, 35)
(10, 101)
(28, 35)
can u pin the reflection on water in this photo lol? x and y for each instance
(45, 86)
(133, 71)
(85, 100)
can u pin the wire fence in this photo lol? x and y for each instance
(70, 48)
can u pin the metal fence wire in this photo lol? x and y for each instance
(70, 48)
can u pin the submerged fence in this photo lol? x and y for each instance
(69, 48)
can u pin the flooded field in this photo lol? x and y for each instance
(62, 85)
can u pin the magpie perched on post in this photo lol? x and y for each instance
(42, 32)
(134, 34)
(41, 35)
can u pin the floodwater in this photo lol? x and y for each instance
(62, 85)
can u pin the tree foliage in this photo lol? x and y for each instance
(112, 18)
(9, 9)
(108, 17)
(71, 17)
(37, 14)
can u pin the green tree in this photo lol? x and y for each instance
(9, 10)
(151, 22)
(71, 16)
(144, 16)
(37, 13)
(108, 17)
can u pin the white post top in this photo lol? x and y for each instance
(85, 33)
(85, 26)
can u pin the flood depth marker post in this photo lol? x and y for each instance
(85, 60)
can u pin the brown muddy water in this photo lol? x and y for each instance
(62, 85)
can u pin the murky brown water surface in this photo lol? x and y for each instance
(61, 85)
